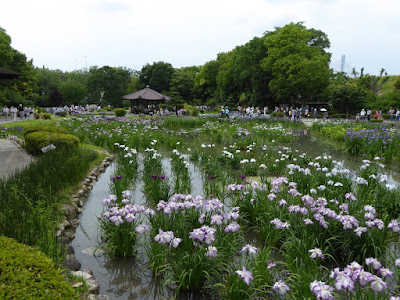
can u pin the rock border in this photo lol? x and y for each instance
(67, 228)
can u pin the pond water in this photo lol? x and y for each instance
(314, 147)
(120, 278)
(131, 278)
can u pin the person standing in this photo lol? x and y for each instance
(20, 111)
(397, 116)
(391, 113)
(13, 111)
(6, 111)
(369, 114)
(315, 113)
(363, 113)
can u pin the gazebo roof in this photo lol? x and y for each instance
(146, 94)
(7, 74)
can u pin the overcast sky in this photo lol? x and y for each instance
(73, 34)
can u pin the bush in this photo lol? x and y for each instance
(191, 110)
(62, 114)
(376, 121)
(27, 273)
(35, 141)
(46, 116)
(32, 128)
(106, 108)
(120, 112)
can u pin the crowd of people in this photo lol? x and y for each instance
(366, 115)
(22, 112)
(25, 112)
(74, 109)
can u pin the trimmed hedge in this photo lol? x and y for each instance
(62, 113)
(32, 128)
(120, 112)
(26, 273)
(35, 141)
(46, 116)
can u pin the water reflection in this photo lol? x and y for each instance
(314, 147)
(129, 278)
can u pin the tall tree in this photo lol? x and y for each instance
(375, 83)
(206, 80)
(56, 98)
(227, 91)
(182, 83)
(298, 63)
(346, 94)
(251, 78)
(157, 76)
(74, 92)
(108, 85)
(25, 87)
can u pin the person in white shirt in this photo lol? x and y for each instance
(13, 111)
(6, 111)
(362, 114)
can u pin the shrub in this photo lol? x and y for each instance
(62, 114)
(191, 110)
(120, 112)
(27, 273)
(32, 128)
(376, 121)
(46, 116)
(35, 141)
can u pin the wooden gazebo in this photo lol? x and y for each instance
(146, 100)
(7, 75)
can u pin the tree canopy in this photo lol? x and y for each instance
(23, 89)
(298, 63)
(289, 65)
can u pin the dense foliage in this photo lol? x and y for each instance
(35, 141)
(27, 273)
(286, 66)
(30, 200)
